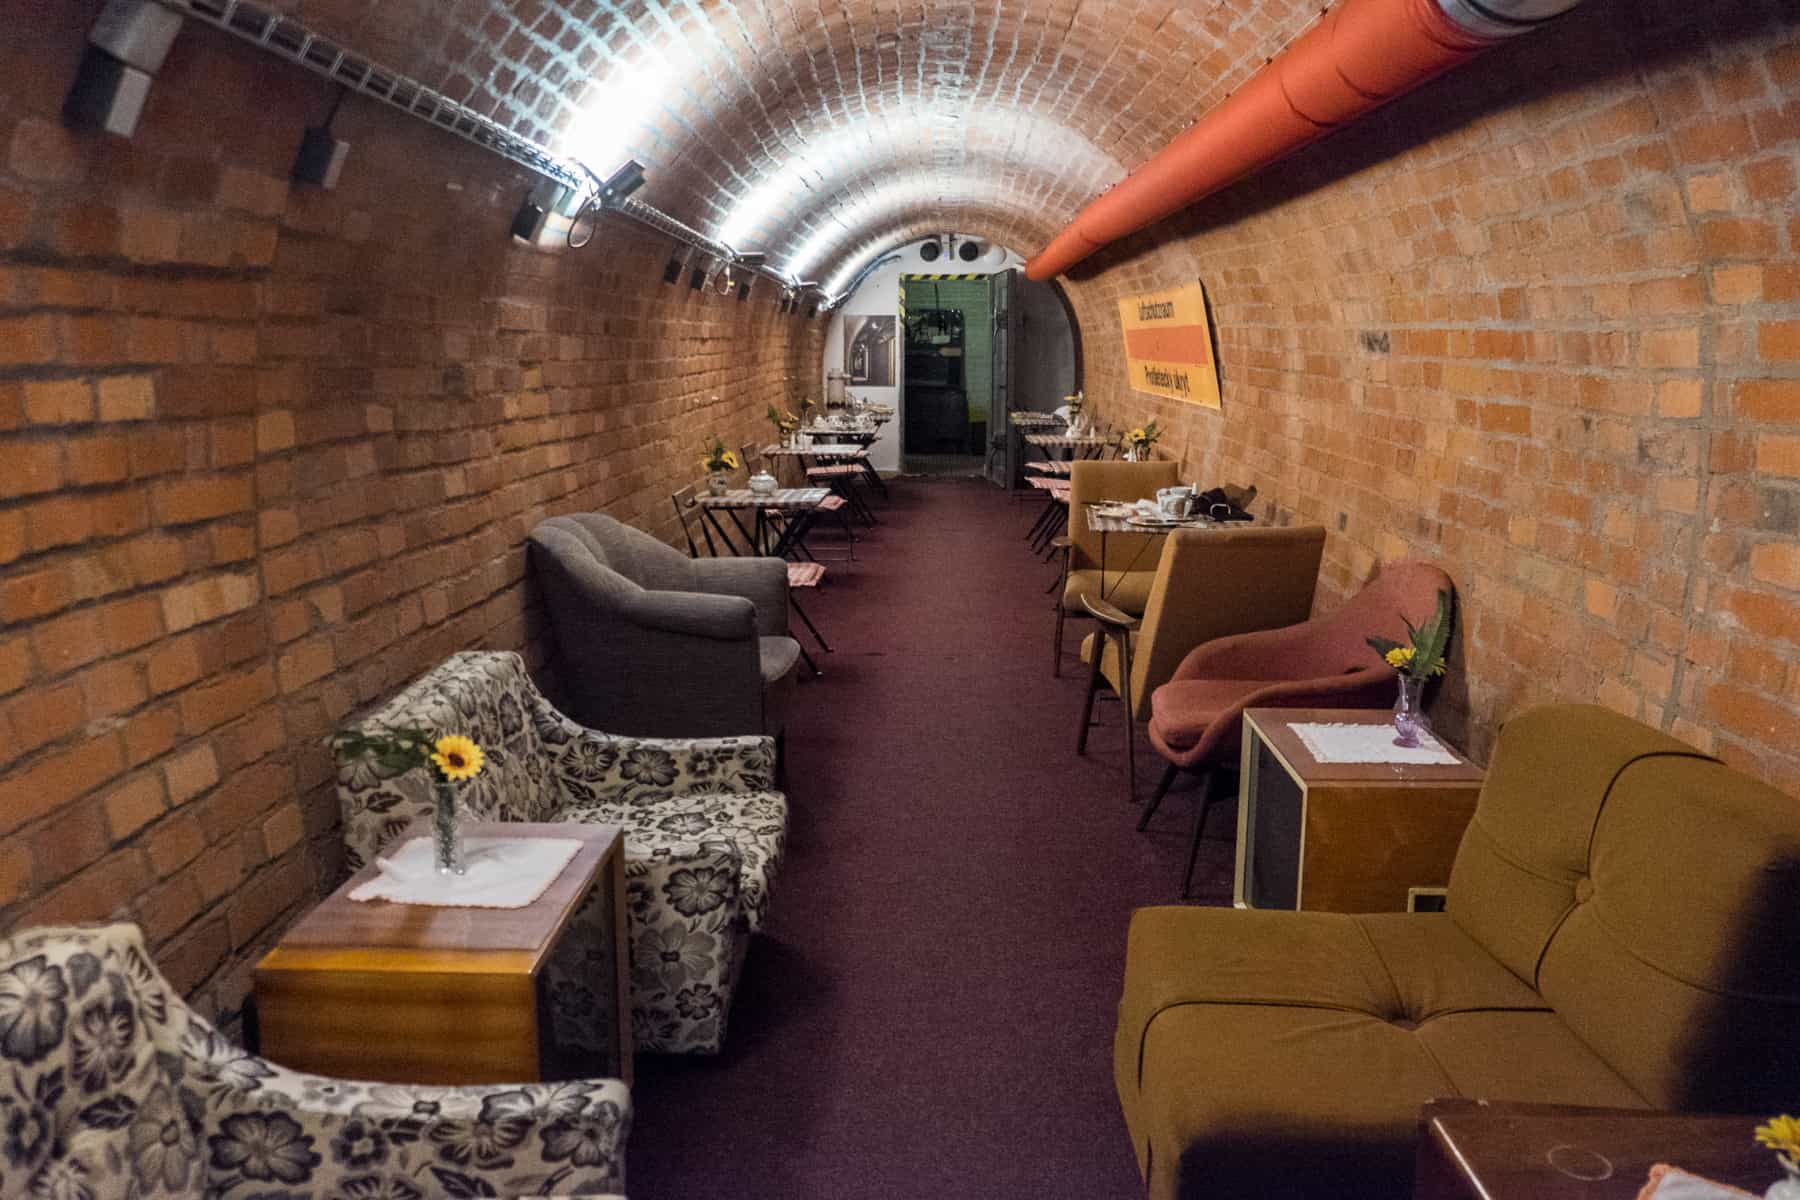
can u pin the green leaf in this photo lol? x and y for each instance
(1437, 639)
(1382, 645)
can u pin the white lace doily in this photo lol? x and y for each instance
(1347, 743)
(503, 873)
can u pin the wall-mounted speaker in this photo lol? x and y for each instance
(107, 94)
(321, 161)
(126, 48)
(969, 251)
(931, 251)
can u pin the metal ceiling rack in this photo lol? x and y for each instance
(289, 39)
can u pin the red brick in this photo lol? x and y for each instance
(181, 501)
(43, 716)
(1778, 341)
(102, 892)
(15, 872)
(103, 459)
(59, 402)
(212, 704)
(173, 844)
(27, 341)
(58, 778)
(1774, 401)
(133, 805)
(45, 152)
(15, 664)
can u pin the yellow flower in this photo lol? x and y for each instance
(1400, 657)
(1136, 435)
(1781, 1133)
(729, 458)
(458, 757)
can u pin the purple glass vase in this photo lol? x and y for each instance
(1409, 712)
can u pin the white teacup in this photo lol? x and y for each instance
(1177, 501)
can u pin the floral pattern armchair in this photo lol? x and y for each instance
(113, 1089)
(704, 832)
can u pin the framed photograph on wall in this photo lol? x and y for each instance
(869, 350)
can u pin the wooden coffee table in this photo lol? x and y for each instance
(405, 993)
(1342, 837)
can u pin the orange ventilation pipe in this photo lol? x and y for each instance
(1359, 56)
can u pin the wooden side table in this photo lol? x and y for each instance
(405, 993)
(1341, 837)
(1477, 1150)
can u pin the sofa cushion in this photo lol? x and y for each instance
(1527, 846)
(1677, 958)
(1652, 894)
(1249, 1040)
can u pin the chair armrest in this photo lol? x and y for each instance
(511, 1138)
(762, 581)
(697, 614)
(597, 767)
(1110, 615)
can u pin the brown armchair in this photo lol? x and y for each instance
(1209, 584)
(1129, 567)
(1196, 719)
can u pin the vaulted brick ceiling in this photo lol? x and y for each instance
(824, 133)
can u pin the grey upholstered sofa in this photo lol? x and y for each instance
(114, 1088)
(703, 830)
(653, 643)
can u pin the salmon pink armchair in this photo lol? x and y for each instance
(1196, 719)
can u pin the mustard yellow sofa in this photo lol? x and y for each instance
(1623, 929)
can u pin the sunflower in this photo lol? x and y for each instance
(1780, 1134)
(1400, 657)
(1136, 435)
(457, 757)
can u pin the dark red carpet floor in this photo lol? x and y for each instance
(930, 1012)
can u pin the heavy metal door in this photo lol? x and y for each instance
(999, 465)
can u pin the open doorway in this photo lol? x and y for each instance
(976, 348)
(949, 320)
(954, 352)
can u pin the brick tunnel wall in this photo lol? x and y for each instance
(1537, 323)
(266, 452)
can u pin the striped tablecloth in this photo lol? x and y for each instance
(785, 499)
(1036, 420)
(824, 433)
(822, 449)
(1067, 441)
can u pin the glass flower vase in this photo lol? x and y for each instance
(446, 830)
(718, 483)
(1787, 1187)
(1409, 712)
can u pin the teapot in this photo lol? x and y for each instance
(762, 483)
